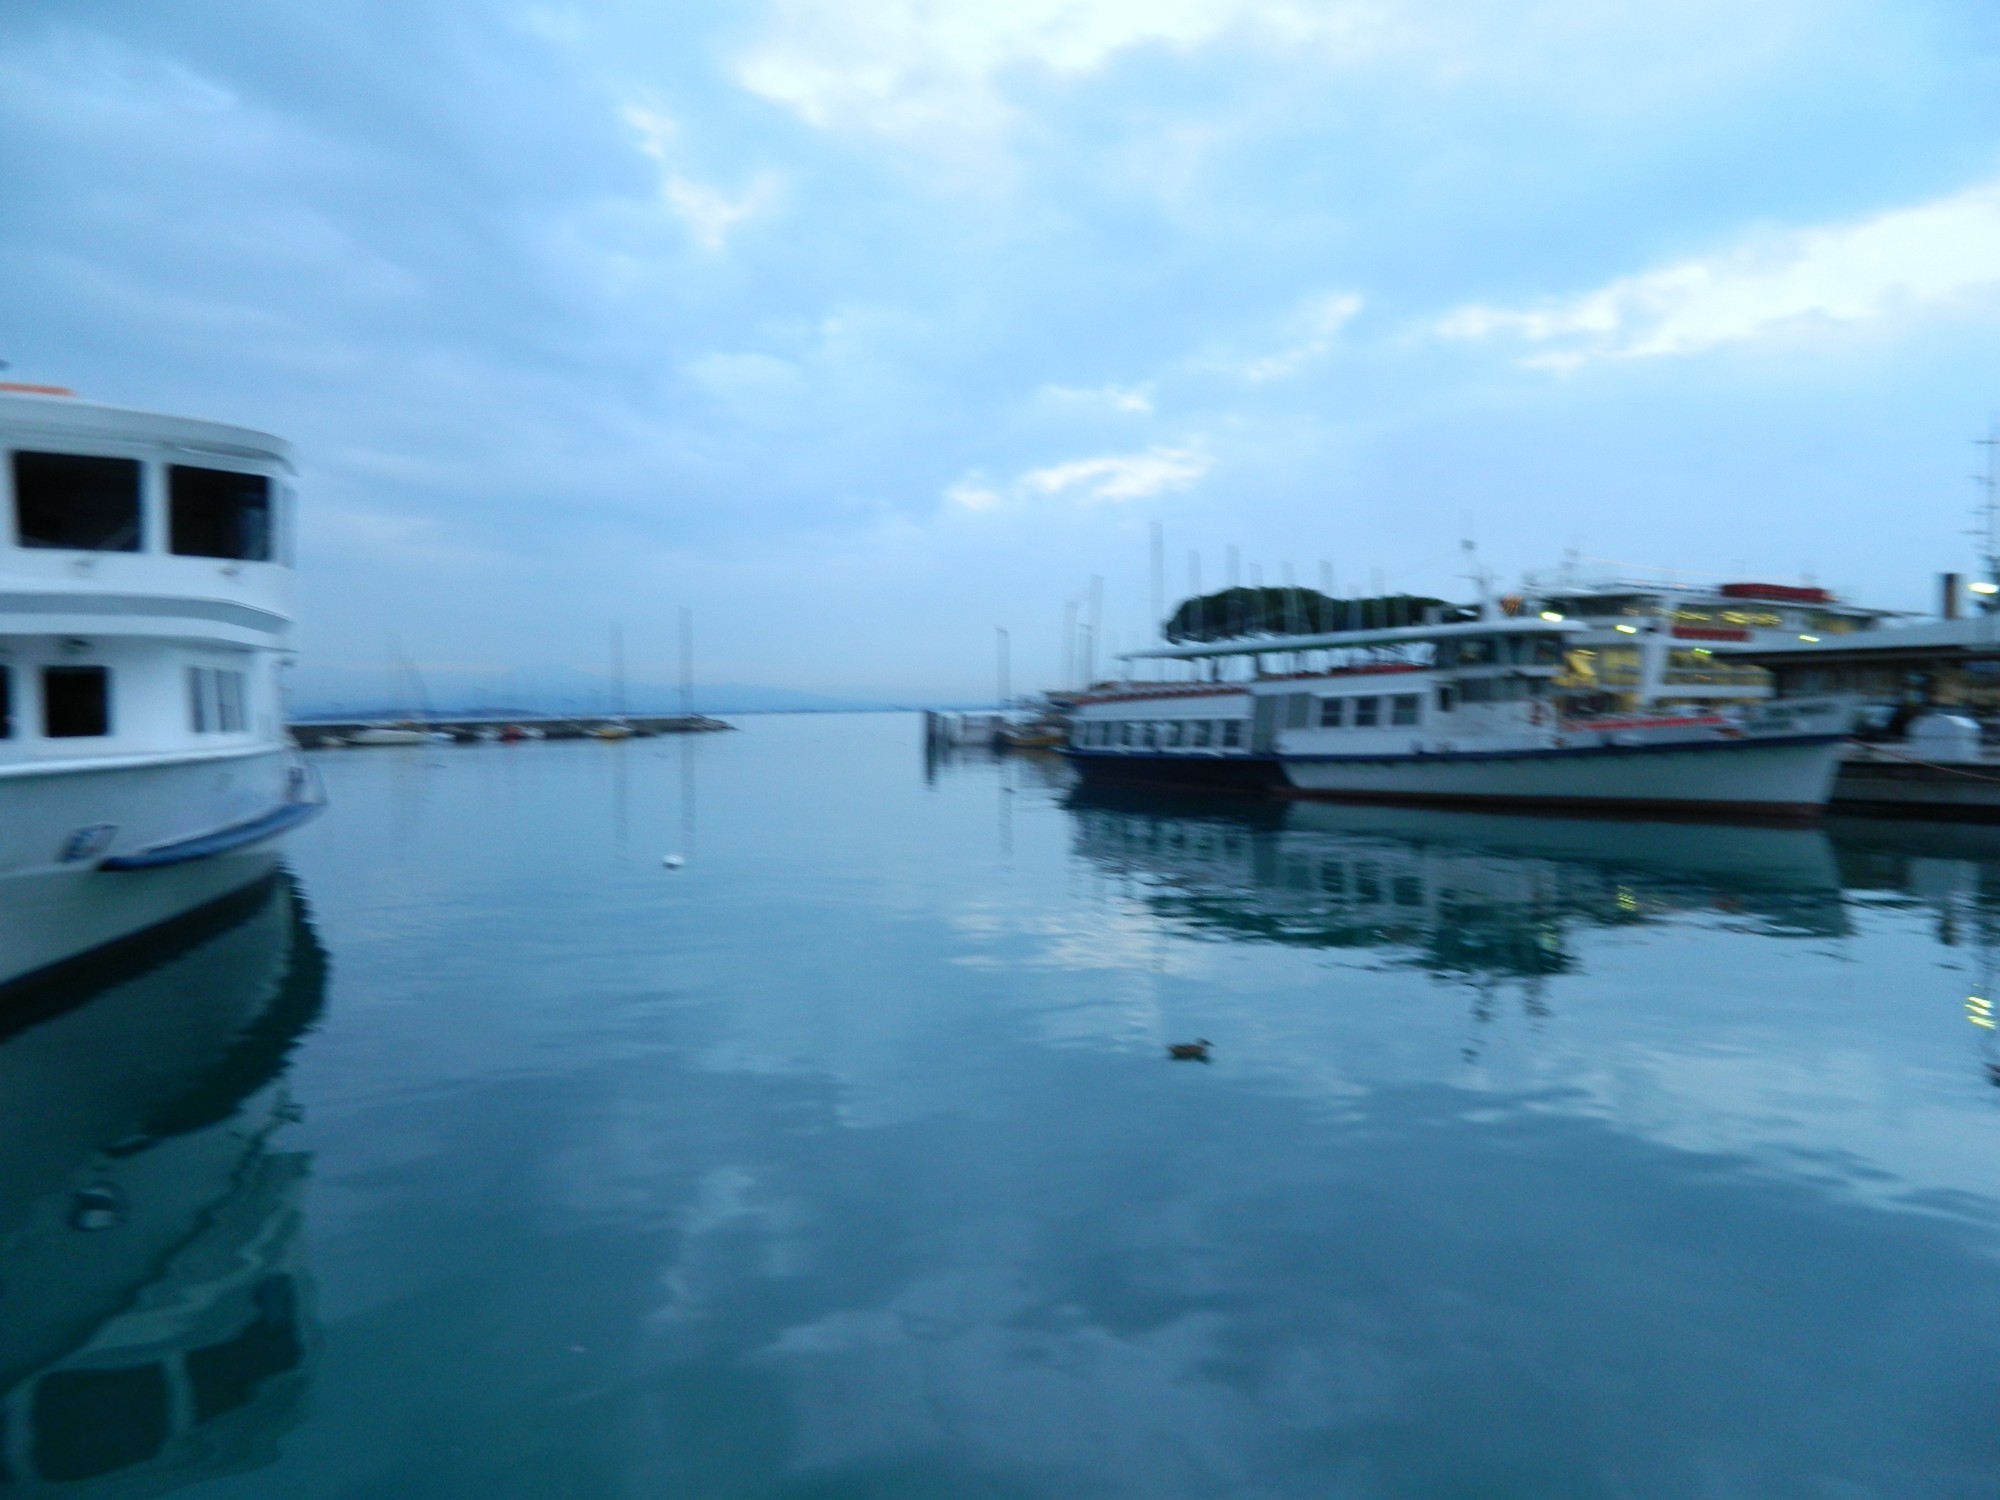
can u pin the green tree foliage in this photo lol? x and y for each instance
(1234, 613)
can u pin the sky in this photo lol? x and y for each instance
(864, 328)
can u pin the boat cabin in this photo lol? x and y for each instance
(145, 569)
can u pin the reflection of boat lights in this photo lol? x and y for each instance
(1979, 1011)
(1627, 901)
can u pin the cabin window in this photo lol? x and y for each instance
(76, 702)
(1170, 735)
(215, 701)
(1403, 708)
(94, 1421)
(1447, 698)
(1477, 652)
(1298, 710)
(6, 704)
(218, 513)
(1367, 712)
(1203, 729)
(1477, 690)
(1232, 734)
(1131, 735)
(77, 502)
(1331, 712)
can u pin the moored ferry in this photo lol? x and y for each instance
(1466, 711)
(145, 616)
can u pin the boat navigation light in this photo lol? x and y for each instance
(1552, 616)
(1983, 587)
(1626, 629)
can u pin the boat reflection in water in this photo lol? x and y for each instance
(1485, 898)
(157, 1317)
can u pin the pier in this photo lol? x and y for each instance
(328, 734)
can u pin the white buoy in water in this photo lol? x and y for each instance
(674, 861)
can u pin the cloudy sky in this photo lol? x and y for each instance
(865, 326)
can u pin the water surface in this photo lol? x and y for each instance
(1535, 1158)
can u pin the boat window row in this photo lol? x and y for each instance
(215, 701)
(1500, 689)
(75, 702)
(1162, 734)
(1524, 650)
(84, 503)
(1399, 710)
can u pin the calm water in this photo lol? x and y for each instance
(1535, 1159)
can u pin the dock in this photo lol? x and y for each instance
(327, 734)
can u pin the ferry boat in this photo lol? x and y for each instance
(145, 616)
(1469, 712)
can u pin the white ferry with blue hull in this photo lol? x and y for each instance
(145, 615)
(1468, 713)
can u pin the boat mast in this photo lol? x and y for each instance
(1987, 511)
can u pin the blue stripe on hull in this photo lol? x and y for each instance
(285, 816)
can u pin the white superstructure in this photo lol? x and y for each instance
(1470, 712)
(1647, 644)
(145, 616)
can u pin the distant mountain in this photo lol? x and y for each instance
(337, 693)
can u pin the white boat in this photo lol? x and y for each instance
(1467, 712)
(389, 734)
(145, 614)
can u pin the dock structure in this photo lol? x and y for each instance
(327, 734)
(1931, 693)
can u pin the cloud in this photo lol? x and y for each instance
(1320, 322)
(1111, 479)
(708, 214)
(1137, 399)
(921, 69)
(1896, 264)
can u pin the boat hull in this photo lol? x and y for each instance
(1789, 776)
(58, 909)
(1239, 773)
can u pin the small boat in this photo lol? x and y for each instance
(389, 734)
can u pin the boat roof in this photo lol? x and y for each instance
(45, 416)
(1977, 633)
(1395, 635)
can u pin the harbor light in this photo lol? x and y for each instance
(1552, 617)
(1626, 629)
(1984, 588)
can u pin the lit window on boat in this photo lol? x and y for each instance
(1332, 712)
(1403, 708)
(1367, 712)
(78, 502)
(218, 513)
(76, 702)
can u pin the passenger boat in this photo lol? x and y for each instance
(145, 615)
(1465, 712)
